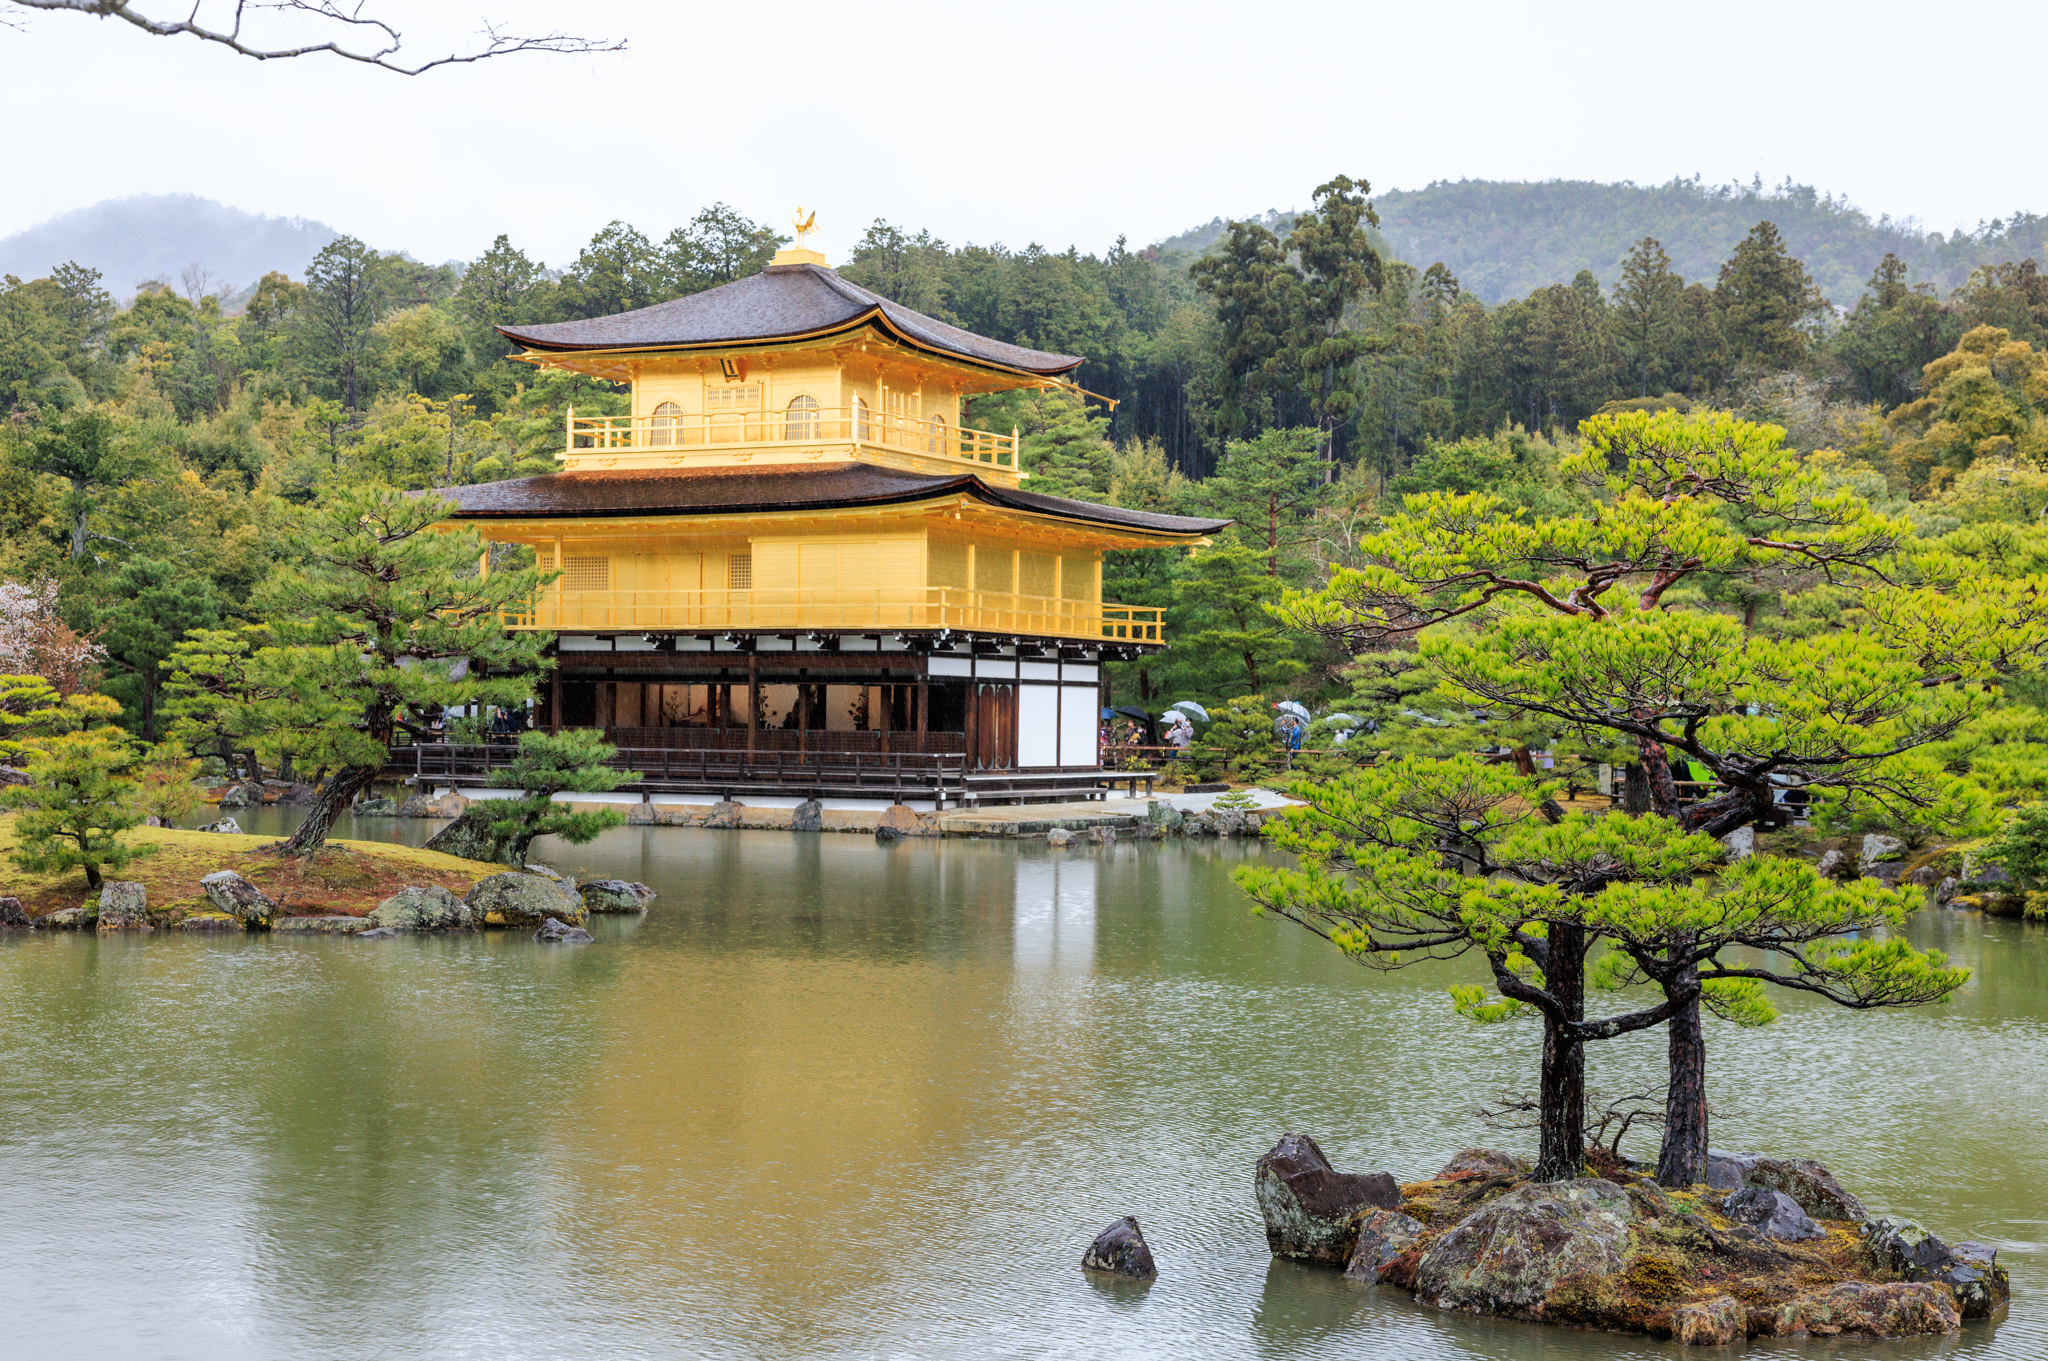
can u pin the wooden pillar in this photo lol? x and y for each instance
(555, 700)
(973, 723)
(753, 701)
(803, 713)
(888, 693)
(923, 698)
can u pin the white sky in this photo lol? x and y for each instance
(1003, 122)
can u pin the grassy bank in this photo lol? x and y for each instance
(347, 878)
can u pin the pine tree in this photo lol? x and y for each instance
(1646, 309)
(1765, 297)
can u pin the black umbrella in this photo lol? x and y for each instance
(1151, 724)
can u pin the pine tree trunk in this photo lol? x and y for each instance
(337, 794)
(1682, 1161)
(1561, 1147)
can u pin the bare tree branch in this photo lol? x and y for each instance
(388, 40)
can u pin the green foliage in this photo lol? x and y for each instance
(78, 799)
(549, 764)
(164, 787)
(2022, 847)
(1239, 741)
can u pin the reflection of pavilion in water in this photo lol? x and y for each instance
(1055, 914)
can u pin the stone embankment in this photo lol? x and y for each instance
(1769, 1247)
(551, 905)
(1094, 821)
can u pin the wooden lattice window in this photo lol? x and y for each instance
(661, 429)
(586, 574)
(733, 397)
(801, 421)
(739, 572)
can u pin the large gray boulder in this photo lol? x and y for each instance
(1877, 852)
(1120, 1250)
(1834, 865)
(78, 918)
(808, 816)
(1310, 1208)
(423, 907)
(1482, 1164)
(470, 837)
(238, 796)
(1772, 1214)
(1383, 1235)
(321, 926)
(1741, 843)
(123, 906)
(12, 914)
(523, 900)
(229, 892)
(1508, 1257)
(1812, 1186)
(227, 825)
(615, 896)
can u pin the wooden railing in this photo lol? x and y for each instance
(717, 431)
(913, 608)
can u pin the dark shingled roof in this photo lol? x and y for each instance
(781, 302)
(725, 491)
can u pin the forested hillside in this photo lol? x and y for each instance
(1504, 239)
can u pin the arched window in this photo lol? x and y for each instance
(939, 443)
(860, 420)
(661, 430)
(801, 422)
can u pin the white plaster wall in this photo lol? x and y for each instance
(1080, 706)
(1038, 725)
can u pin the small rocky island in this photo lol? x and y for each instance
(1770, 1247)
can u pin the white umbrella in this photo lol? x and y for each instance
(1288, 706)
(1193, 708)
(1351, 719)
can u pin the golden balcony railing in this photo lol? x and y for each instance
(911, 608)
(714, 431)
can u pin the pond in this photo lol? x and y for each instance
(836, 1099)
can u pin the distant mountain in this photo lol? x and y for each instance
(157, 236)
(1505, 239)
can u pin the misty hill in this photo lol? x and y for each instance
(156, 236)
(1504, 239)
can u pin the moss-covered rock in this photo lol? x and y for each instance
(1509, 1257)
(229, 892)
(426, 907)
(615, 896)
(517, 899)
(124, 906)
(1311, 1209)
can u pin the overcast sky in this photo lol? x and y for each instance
(1056, 123)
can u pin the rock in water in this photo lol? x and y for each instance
(1482, 1164)
(1981, 1284)
(1833, 865)
(1902, 1247)
(11, 914)
(1741, 843)
(887, 835)
(321, 926)
(552, 930)
(209, 921)
(523, 900)
(1383, 1235)
(1773, 1214)
(1878, 850)
(377, 933)
(616, 895)
(1121, 1251)
(1309, 1206)
(808, 816)
(227, 825)
(1509, 1256)
(236, 796)
(69, 919)
(123, 907)
(724, 813)
(899, 819)
(1712, 1323)
(229, 892)
(1809, 1184)
(1858, 1309)
(423, 907)
(1059, 836)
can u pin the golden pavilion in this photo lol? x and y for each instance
(794, 569)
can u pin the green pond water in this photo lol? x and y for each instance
(834, 1099)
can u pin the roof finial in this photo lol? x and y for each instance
(804, 225)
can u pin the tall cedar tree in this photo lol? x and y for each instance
(383, 619)
(345, 299)
(1646, 309)
(1338, 265)
(1765, 298)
